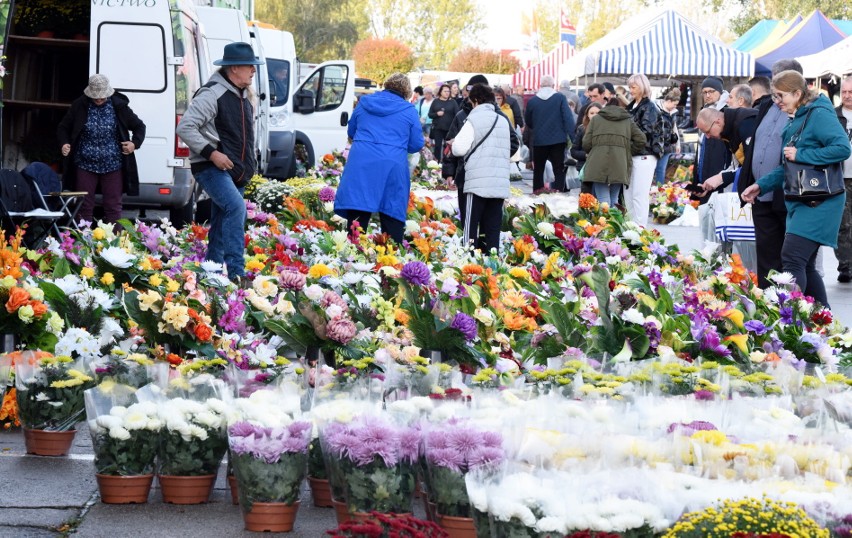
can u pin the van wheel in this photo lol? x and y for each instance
(181, 216)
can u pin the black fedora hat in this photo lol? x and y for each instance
(238, 54)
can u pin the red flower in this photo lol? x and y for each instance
(823, 317)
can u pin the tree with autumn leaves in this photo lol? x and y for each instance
(475, 60)
(377, 59)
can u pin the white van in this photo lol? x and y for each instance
(150, 50)
(307, 119)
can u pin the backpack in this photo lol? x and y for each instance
(15, 191)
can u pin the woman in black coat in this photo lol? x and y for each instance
(577, 152)
(99, 135)
(442, 112)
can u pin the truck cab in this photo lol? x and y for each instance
(150, 51)
(309, 107)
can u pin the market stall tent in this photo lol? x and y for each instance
(661, 44)
(530, 77)
(756, 35)
(814, 34)
(835, 60)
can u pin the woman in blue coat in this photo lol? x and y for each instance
(821, 142)
(384, 129)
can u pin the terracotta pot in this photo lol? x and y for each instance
(186, 489)
(364, 516)
(341, 511)
(271, 517)
(124, 489)
(235, 492)
(48, 443)
(321, 492)
(458, 527)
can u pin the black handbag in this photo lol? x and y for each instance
(810, 183)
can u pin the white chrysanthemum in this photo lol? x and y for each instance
(119, 433)
(632, 315)
(108, 422)
(261, 303)
(411, 227)
(212, 267)
(135, 420)
(208, 419)
(632, 236)
(352, 278)
(333, 311)
(265, 286)
(70, 284)
(546, 229)
(314, 292)
(118, 257)
(41, 397)
(783, 279)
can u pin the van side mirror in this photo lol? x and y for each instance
(304, 102)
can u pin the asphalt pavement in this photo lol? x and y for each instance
(43, 496)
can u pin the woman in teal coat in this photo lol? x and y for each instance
(384, 129)
(822, 142)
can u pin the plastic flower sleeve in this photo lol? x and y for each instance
(50, 392)
(125, 432)
(268, 447)
(194, 416)
(373, 462)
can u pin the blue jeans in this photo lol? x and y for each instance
(607, 193)
(226, 240)
(662, 164)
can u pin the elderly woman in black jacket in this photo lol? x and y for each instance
(645, 113)
(99, 135)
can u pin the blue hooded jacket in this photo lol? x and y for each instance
(823, 141)
(384, 129)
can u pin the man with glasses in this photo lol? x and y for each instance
(844, 239)
(712, 156)
(762, 156)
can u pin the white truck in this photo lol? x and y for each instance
(307, 119)
(151, 50)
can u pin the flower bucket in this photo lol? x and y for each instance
(458, 527)
(235, 492)
(186, 489)
(48, 443)
(271, 517)
(124, 489)
(321, 492)
(341, 512)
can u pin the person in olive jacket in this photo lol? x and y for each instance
(610, 141)
(99, 135)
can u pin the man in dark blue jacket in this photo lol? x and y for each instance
(550, 119)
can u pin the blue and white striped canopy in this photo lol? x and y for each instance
(661, 44)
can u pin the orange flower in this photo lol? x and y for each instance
(296, 205)
(173, 359)
(9, 410)
(401, 317)
(472, 269)
(39, 308)
(514, 299)
(328, 158)
(425, 246)
(203, 332)
(199, 232)
(18, 297)
(516, 322)
(588, 201)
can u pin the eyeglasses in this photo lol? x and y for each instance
(708, 92)
(778, 96)
(709, 127)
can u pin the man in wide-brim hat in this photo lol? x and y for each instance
(218, 127)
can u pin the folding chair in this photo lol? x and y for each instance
(48, 194)
(17, 209)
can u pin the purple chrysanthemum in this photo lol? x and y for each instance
(447, 458)
(756, 327)
(341, 330)
(465, 324)
(292, 280)
(484, 455)
(416, 273)
(326, 194)
(409, 445)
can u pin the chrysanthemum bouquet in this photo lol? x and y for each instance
(451, 450)
(125, 437)
(50, 392)
(194, 438)
(745, 517)
(270, 463)
(434, 315)
(375, 461)
(180, 321)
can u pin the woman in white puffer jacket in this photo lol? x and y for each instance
(485, 143)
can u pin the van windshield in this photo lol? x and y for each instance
(279, 81)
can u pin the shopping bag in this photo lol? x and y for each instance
(733, 223)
